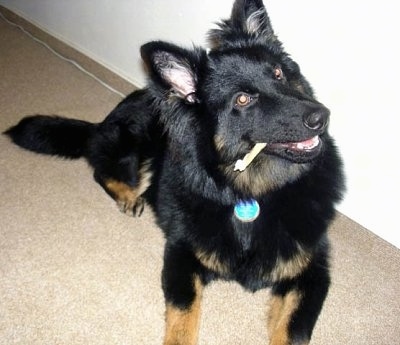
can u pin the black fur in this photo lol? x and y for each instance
(199, 114)
(52, 135)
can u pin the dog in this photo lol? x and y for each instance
(231, 150)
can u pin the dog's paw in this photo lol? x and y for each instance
(128, 198)
(131, 207)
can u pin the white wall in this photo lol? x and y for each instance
(347, 49)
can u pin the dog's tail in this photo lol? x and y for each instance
(52, 135)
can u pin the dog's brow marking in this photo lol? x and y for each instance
(242, 164)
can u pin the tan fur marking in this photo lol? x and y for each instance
(287, 269)
(127, 196)
(144, 177)
(252, 180)
(211, 261)
(182, 326)
(124, 195)
(280, 314)
(219, 142)
(266, 172)
(297, 85)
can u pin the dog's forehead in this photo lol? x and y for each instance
(241, 69)
(243, 61)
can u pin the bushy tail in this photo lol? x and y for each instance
(52, 135)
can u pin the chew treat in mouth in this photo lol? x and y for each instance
(242, 164)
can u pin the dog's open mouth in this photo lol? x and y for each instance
(298, 152)
(306, 145)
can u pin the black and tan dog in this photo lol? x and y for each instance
(182, 145)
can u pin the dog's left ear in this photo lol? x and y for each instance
(249, 20)
(251, 17)
(173, 68)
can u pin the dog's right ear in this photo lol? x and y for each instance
(173, 68)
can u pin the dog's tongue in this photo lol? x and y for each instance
(308, 144)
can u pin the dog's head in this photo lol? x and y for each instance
(246, 90)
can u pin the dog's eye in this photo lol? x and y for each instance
(278, 73)
(243, 99)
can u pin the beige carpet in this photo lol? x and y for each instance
(74, 270)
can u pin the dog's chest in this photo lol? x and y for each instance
(250, 251)
(244, 233)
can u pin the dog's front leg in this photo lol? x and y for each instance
(183, 291)
(296, 304)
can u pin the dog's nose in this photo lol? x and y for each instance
(316, 120)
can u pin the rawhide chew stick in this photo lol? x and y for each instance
(242, 164)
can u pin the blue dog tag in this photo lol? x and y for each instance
(247, 210)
